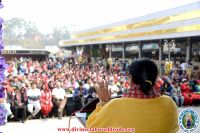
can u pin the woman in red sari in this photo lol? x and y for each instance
(46, 100)
(187, 93)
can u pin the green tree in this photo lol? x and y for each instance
(17, 31)
(58, 34)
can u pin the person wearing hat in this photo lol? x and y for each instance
(19, 107)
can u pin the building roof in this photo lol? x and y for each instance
(178, 22)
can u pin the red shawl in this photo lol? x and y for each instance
(135, 92)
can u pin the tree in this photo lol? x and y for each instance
(58, 34)
(19, 28)
(17, 31)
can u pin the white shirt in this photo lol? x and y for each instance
(113, 88)
(15, 71)
(76, 85)
(59, 93)
(31, 69)
(86, 86)
(6, 73)
(183, 66)
(33, 92)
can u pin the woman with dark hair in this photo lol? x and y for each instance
(46, 100)
(141, 109)
(19, 106)
(51, 85)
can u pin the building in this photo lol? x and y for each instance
(170, 34)
(11, 52)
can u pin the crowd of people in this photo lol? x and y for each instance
(182, 83)
(32, 86)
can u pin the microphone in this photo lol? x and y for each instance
(91, 105)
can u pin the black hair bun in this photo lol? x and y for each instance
(146, 87)
(144, 73)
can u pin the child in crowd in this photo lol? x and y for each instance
(177, 95)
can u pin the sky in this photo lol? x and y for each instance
(82, 14)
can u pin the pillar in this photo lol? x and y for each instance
(110, 51)
(188, 49)
(123, 52)
(160, 55)
(160, 50)
(100, 50)
(140, 45)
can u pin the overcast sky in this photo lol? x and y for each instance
(82, 14)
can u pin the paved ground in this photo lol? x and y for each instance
(40, 126)
(52, 125)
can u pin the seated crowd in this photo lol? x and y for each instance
(43, 88)
(35, 88)
(182, 84)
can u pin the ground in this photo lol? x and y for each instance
(52, 125)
